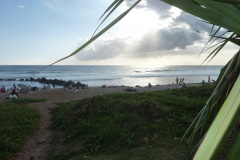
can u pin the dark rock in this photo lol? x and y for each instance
(61, 83)
(43, 80)
(69, 83)
(37, 80)
(79, 84)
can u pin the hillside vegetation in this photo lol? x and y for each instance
(127, 126)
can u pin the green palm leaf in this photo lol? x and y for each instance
(222, 126)
(116, 5)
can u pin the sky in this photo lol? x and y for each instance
(39, 32)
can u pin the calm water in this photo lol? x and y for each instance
(110, 75)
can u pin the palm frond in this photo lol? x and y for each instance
(211, 11)
(210, 38)
(113, 4)
(116, 5)
(222, 126)
(202, 121)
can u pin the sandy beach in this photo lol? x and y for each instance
(57, 95)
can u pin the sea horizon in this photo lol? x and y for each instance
(114, 75)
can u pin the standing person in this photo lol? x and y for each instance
(208, 79)
(177, 81)
(3, 89)
(14, 86)
(149, 85)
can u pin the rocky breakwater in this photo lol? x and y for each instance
(43, 80)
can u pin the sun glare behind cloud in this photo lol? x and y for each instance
(138, 22)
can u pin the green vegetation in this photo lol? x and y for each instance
(127, 126)
(17, 123)
(26, 101)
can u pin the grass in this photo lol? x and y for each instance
(17, 123)
(26, 101)
(127, 126)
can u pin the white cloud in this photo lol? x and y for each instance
(21, 6)
(170, 39)
(176, 37)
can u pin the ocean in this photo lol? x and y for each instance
(108, 75)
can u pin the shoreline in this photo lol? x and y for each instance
(57, 95)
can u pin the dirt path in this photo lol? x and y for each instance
(38, 145)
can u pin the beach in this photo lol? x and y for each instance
(57, 95)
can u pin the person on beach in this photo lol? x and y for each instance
(208, 79)
(14, 86)
(70, 86)
(203, 82)
(34, 88)
(13, 95)
(177, 81)
(3, 89)
(149, 85)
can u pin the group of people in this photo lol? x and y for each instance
(130, 89)
(209, 80)
(13, 94)
(180, 81)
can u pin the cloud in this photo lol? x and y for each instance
(101, 50)
(168, 39)
(161, 8)
(192, 21)
(21, 6)
(152, 44)
(173, 39)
